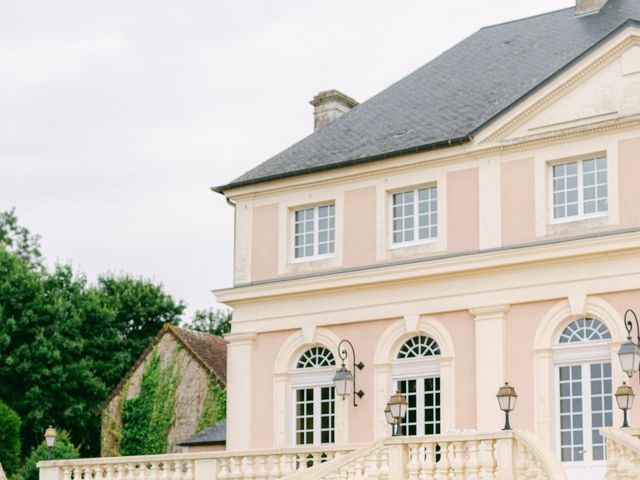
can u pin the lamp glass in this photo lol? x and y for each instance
(625, 397)
(343, 382)
(507, 398)
(629, 356)
(389, 416)
(50, 436)
(398, 406)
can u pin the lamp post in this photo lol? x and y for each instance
(507, 400)
(395, 411)
(50, 439)
(344, 380)
(624, 398)
(629, 353)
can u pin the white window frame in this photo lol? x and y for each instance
(583, 354)
(419, 369)
(581, 215)
(316, 378)
(316, 233)
(416, 217)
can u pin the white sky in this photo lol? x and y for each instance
(116, 117)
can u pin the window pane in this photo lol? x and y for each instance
(571, 433)
(409, 426)
(431, 406)
(565, 190)
(304, 416)
(601, 402)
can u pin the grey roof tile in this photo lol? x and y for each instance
(214, 435)
(453, 96)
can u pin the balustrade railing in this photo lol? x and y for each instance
(623, 453)
(249, 465)
(501, 456)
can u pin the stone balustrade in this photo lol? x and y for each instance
(253, 465)
(500, 456)
(623, 453)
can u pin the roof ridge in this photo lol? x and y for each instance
(552, 12)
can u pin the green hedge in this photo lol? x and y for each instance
(9, 439)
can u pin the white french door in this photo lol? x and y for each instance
(423, 409)
(314, 421)
(585, 404)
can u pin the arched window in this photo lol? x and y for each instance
(585, 330)
(420, 346)
(313, 397)
(316, 357)
(416, 374)
(584, 393)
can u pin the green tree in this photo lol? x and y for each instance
(62, 450)
(9, 439)
(64, 343)
(18, 239)
(213, 321)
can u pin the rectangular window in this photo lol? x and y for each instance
(415, 215)
(315, 415)
(314, 231)
(571, 428)
(580, 188)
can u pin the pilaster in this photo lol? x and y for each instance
(240, 390)
(491, 368)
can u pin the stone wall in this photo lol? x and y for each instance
(193, 385)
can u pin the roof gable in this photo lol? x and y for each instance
(208, 350)
(450, 99)
(600, 89)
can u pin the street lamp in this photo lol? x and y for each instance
(624, 398)
(507, 400)
(629, 353)
(50, 438)
(344, 380)
(395, 411)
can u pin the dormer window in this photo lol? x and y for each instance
(314, 231)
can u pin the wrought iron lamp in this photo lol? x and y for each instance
(396, 410)
(629, 353)
(507, 400)
(50, 439)
(624, 398)
(345, 381)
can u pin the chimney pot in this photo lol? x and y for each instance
(330, 105)
(589, 6)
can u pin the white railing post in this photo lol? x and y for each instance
(50, 471)
(398, 460)
(504, 457)
(205, 469)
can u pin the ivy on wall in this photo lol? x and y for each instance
(146, 419)
(214, 408)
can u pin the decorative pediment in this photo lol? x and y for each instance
(602, 89)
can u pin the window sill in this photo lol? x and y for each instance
(577, 219)
(316, 258)
(398, 246)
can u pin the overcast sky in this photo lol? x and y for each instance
(116, 117)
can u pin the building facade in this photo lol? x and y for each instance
(476, 223)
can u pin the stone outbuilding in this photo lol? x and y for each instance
(189, 368)
(211, 439)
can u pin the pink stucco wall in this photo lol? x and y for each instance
(629, 174)
(360, 226)
(264, 244)
(518, 202)
(463, 217)
(522, 324)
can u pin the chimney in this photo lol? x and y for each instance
(589, 6)
(330, 105)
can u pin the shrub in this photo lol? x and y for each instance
(63, 449)
(9, 439)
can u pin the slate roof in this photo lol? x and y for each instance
(208, 350)
(214, 435)
(449, 99)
